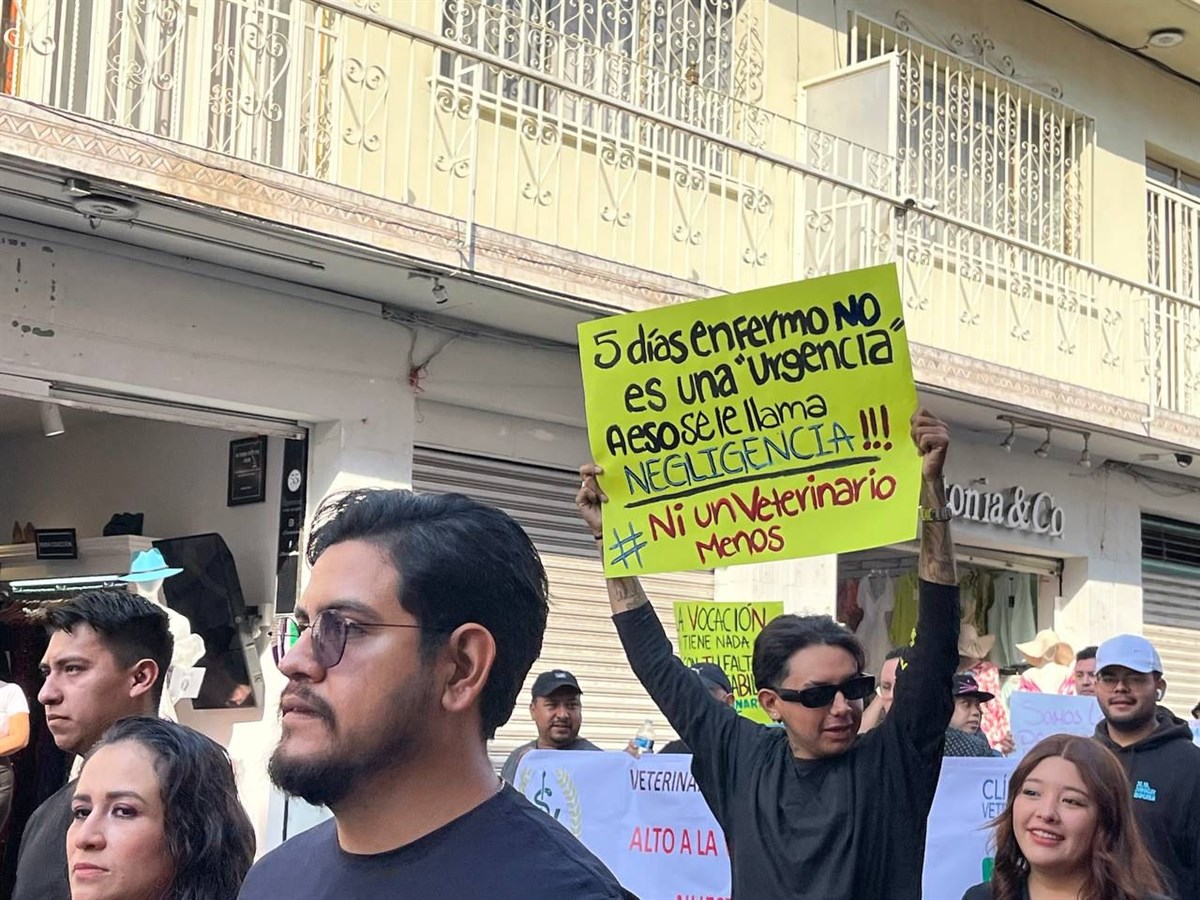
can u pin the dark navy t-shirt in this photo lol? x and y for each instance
(504, 849)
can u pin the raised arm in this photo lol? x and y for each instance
(922, 706)
(701, 721)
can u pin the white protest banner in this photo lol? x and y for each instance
(1036, 716)
(644, 818)
(971, 792)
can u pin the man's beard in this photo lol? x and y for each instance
(329, 779)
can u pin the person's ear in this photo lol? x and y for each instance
(770, 701)
(1160, 689)
(468, 657)
(145, 675)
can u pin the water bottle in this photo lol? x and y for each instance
(644, 739)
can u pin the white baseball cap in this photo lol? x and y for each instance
(1129, 650)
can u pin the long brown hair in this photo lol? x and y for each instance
(1119, 867)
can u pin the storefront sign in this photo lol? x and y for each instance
(247, 471)
(723, 633)
(56, 543)
(644, 818)
(1014, 509)
(754, 427)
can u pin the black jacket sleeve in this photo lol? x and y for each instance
(923, 704)
(717, 735)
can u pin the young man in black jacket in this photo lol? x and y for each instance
(811, 811)
(107, 659)
(1159, 757)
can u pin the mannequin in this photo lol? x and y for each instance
(147, 571)
(1050, 659)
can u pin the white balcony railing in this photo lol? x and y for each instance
(374, 102)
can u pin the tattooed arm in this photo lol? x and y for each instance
(932, 438)
(626, 593)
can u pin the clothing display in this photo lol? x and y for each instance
(875, 598)
(904, 609)
(1013, 616)
(504, 849)
(848, 827)
(849, 613)
(1050, 660)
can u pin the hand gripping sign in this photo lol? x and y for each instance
(754, 427)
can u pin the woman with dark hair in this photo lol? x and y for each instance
(156, 816)
(1068, 830)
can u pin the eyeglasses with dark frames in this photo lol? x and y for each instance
(857, 688)
(329, 633)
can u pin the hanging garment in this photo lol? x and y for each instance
(904, 610)
(849, 613)
(995, 722)
(1049, 679)
(876, 598)
(1012, 617)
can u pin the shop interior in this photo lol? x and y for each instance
(1007, 599)
(149, 502)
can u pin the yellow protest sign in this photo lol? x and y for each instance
(724, 633)
(754, 427)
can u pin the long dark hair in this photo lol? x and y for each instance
(208, 833)
(1119, 867)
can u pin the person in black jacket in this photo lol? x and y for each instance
(1158, 755)
(1067, 830)
(812, 811)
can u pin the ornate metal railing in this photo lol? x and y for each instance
(371, 96)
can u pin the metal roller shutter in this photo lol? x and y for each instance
(1171, 613)
(1171, 605)
(580, 635)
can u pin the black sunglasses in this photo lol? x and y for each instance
(857, 688)
(329, 632)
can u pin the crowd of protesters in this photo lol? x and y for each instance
(421, 619)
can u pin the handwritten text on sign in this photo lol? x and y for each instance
(754, 427)
(1037, 716)
(724, 633)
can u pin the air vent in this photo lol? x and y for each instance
(1171, 541)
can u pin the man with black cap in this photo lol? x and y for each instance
(714, 678)
(1156, 749)
(558, 713)
(963, 737)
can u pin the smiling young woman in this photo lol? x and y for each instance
(1068, 830)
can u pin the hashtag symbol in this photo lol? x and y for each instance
(625, 547)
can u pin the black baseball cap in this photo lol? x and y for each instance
(713, 676)
(549, 682)
(965, 685)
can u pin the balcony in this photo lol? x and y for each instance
(459, 109)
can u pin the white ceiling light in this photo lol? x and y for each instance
(1164, 38)
(52, 423)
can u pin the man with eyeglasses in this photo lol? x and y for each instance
(422, 615)
(1156, 749)
(810, 810)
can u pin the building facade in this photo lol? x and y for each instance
(372, 226)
